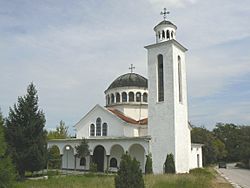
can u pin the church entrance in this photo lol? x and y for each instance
(98, 158)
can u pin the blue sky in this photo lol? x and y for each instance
(73, 50)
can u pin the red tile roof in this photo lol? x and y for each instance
(128, 119)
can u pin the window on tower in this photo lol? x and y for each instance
(92, 130)
(145, 97)
(179, 79)
(112, 98)
(138, 97)
(163, 34)
(160, 79)
(168, 34)
(104, 129)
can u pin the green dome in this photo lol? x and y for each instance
(129, 79)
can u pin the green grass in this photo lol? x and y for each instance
(199, 178)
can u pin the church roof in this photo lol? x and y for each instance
(129, 79)
(165, 22)
(128, 119)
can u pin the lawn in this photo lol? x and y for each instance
(200, 178)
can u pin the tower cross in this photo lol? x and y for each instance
(131, 68)
(164, 13)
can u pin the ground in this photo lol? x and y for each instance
(201, 178)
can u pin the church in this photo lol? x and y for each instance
(142, 116)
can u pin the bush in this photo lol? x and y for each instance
(148, 166)
(129, 174)
(169, 166)
(93, 167)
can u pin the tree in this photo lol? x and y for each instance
(82, 150)
(54, 158)
(244, 147)
(129, 174)
(60, 133)
(230, 135)
(148, 166)
(7, 173)
(25, 133)
(169, 165)
(213, 149)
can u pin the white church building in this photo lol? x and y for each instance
(142, 116)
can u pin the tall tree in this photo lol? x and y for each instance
(7, 173)
(82, 149)
(25, 133)
(61, 132)
(213, 149)
(230, 135)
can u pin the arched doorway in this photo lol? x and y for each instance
(98, 158)
(137, 151)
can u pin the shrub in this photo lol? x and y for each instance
(129, 174)
(148, 166)
(93, 167)
(169, 166)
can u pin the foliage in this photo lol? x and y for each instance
(169, 165)
(229, 134)
(129, 174)
(82, 150)
(54, 158)
(25, 135)
(61, 132)
(213, 149)
(244, 147)
(93, 167)
(7, 173)
(148, 166)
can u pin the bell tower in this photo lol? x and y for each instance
(167, 103)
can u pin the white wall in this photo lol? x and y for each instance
(196, 150)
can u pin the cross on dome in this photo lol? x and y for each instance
(131, 68)
(164, 13)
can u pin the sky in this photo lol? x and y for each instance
(73, 50)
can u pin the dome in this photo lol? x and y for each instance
(165, 22)
(129, 80)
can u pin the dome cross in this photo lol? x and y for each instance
(131, 68)
(164, 13)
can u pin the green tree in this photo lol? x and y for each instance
(230, 135)
(82, 150)
(54, 158)
(7, 172)
(148, 166)
(244, 147)
(25, 133)
(129, 174)
(61, 132)
(213, 149)
(169, 165)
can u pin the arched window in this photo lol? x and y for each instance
(145, 97)
(160, 79)
(131, 97)
(172, 34)
(179, 79)
(124, 97)
(108, 99)
(112, 98)
(118, 97)
(159, 34)
(138, 97)
(83, 161)
(168, 36)
(104, 129)
(163, 34)
(92, 130)
(98, 126)
(113, 162)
